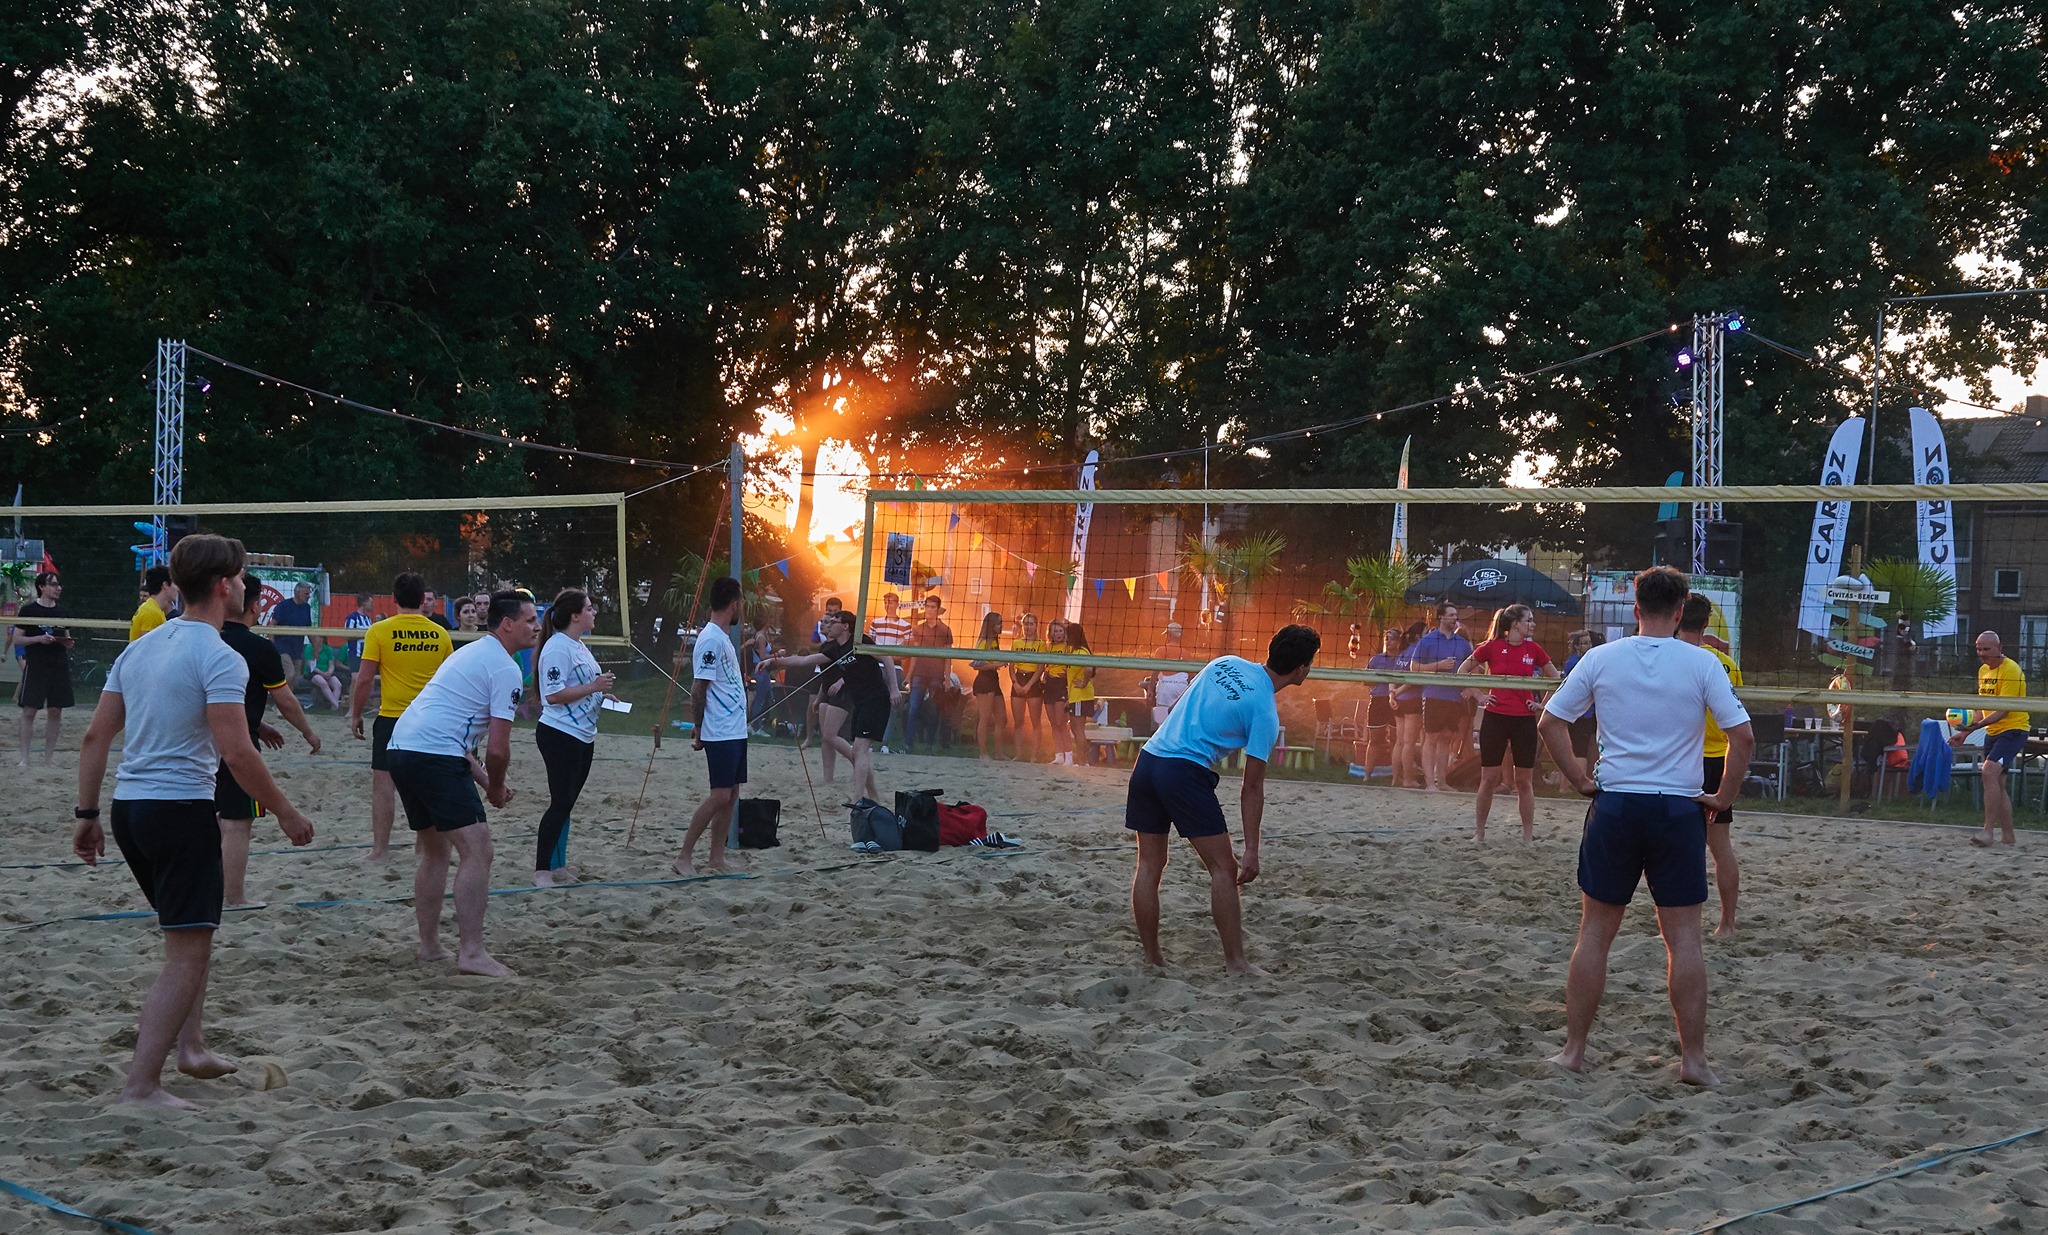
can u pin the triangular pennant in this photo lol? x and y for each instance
(1071, 581)
(49, 565)
(1131, 586)
(754, 576)
(974, 541)
(1163, 576)
(1098, 587)
(782, 566)
(952, 520)
(1030, 568)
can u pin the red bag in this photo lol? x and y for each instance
(961, 822)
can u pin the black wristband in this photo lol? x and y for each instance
(85, 812)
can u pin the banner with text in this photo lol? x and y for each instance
(1830, 528)
(1937, 520)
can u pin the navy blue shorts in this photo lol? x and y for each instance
(1176, 791)
(2004, 748)
(728, 760)
(1633, 835)
(437, 791)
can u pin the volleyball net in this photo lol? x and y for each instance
(342, 555)
(1154, 578)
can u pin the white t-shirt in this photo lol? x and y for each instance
(166, 679)
(1652, 697)
(477, 684)
(565, 663)
(1230, 707)
(725, 704)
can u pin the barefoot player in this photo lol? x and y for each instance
(1648, 817)
(474, 694)
(1229, 707)
(239, 810)
(718, 708)
(402, 651)
(175, 698)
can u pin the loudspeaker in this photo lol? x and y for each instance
(1672, 545)
(177, 528)
(1724, 549)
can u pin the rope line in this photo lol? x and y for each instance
(54, 1205)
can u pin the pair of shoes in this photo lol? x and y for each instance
(866, 846)
(996, 840)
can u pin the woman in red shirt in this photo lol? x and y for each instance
(1510, 719)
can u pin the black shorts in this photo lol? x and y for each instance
(1442, 715)
(1632, 835)
(1584, 730)
(173, 850)
(1054, 692)
(1020, 691)
(380, 738)
(1379, 713)
(1497, 733)
(230, 800)
(1180, 792)
(1410, 706)
(437, 791)
(43, 686)
(870, 719)
(1710, 780)
(728, 762)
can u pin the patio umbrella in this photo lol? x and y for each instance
(1493, 584)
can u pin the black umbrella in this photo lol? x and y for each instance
(1493, 584)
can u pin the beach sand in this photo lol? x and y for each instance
(966, 1042)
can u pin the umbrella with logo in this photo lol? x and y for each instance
(1493, 584)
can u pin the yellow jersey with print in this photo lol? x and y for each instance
(147, 618)
(1080, 686)
(407, 647)
(1026, 645)
(2007, 680)
(1717, 741)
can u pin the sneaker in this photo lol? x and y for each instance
(885, 750)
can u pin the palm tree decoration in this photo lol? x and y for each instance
(1231, 569)
(1375, 588)
(1920, 592)
(16, 577)
(688, 576)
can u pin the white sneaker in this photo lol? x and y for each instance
(885, 750)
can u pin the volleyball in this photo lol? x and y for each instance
(1958, 717)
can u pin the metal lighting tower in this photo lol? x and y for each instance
(168, 473)
(1709, 343)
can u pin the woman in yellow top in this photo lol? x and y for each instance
(1080, 696)
(988, 686)
(1052, 689)
(1025, 689)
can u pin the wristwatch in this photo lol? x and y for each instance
(85, 812)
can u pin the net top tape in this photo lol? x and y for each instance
(548, 501)
(1494, 496)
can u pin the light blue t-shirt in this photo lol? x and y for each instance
(1230, 707)
(167, 679)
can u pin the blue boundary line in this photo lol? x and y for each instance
(254, 853)
(70, 1211)
(1896, 1173)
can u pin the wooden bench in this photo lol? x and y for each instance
(1111, 738)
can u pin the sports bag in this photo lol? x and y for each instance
(758, 817)
(961, 822)
(920, 813)
(875, 822)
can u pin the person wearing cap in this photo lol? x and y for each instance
(1166, 687)
(929, 675)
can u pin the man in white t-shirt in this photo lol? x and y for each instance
(890, 630)
(718, 709)
(1652, 693)
(1230, 707)
(175, 696)
(472, 698)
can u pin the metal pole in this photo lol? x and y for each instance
(625, 580)
(1876, 383)
(735, 476)
(168, 474)
(1709, 336)
(1849, 633)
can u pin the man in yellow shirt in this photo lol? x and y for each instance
(156, 607)
(1692, 628)
(402, 651)
(2005, 734)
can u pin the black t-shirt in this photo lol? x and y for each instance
(266, 668)
(864, 681)
(44, 656)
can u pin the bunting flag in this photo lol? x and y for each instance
(782, 566)
(1098, 588)
(952, 520)
(1030, 568)
(1165, 578)
(754, 577)
(1131, 586)
(974, 542)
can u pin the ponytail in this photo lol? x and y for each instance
(569, 602)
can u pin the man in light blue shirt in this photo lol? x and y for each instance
(1230, 707)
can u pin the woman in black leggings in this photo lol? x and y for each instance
(572, 689)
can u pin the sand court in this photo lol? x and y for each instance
(965, 1041)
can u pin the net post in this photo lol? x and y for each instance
(625, 580)
(867, 562)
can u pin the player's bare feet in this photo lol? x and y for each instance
(247, 904)
(681, 866)
(430, 953)
(483, 965)
(1245, 968)
(1698, 1074)
(564, 875)
(543, 879)
(159, 1098)
(1725, 931)
(1156, 959)
(205, 1065)
(1570, 1059)
(378, 857)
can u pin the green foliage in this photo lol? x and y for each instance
(1919, 591)
(1371, 590)
(684, 597)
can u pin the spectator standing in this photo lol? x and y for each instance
(1444, 718)
(361, 619)
(2005, 735)
(430, 607)
(833, 608)
(1586, 727)
(929, 675)
(1510, 720)
(298, 611)
(237, 808)
(1027, 688)
(45, 665)
(988, 687)
(890, 630)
